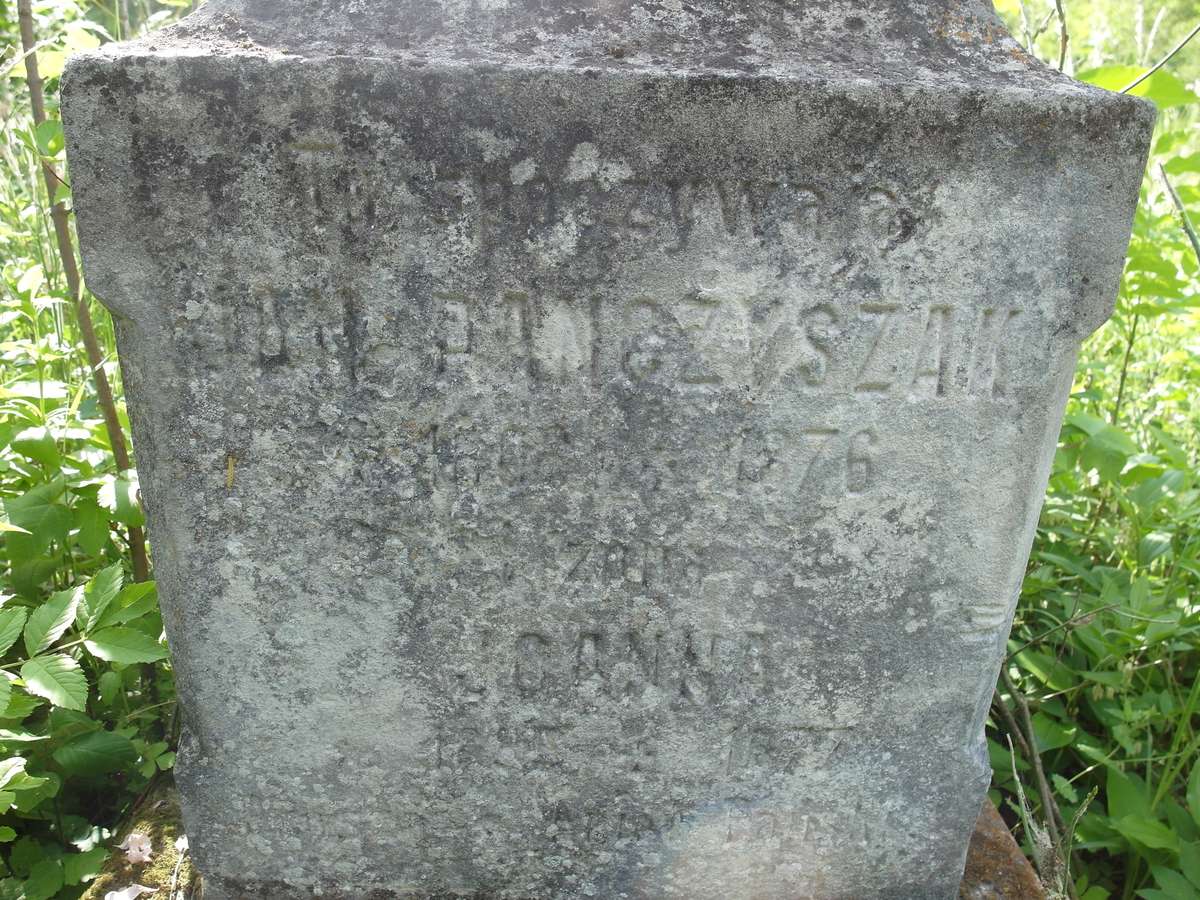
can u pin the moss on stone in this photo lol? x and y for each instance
(157, 816)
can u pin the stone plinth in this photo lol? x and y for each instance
(592, 449)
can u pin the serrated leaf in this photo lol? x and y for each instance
(125, 645)
(95, 754)
(57, 678)
(49, 621)
(12, 621)
(134, 601)
(99, 592)
(39, 513)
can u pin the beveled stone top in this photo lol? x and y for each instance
(934, 42)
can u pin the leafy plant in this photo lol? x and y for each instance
(1105, 650)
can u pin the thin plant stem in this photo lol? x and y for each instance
(1162, 62)
(66, 253)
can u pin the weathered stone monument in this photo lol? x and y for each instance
(592, 448)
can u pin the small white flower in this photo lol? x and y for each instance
(137, 850)
(130, 893)
(181, 844)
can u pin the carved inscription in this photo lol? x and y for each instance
(671, 666)
(708, 340)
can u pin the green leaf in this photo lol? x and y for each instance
(119, 495)
(39, 445)
(10, 768)
(1163, 88)
(81, 867)
(5, 693)
(1046, 669)
(1065, 788)
(1126, 795)
(45, 880)
(57, 678)
(49, 621)
(1147, 832)
(99, 593)
(1174, 884)
(39, 513)
(1193, 793)
(134, 601)
(92, 522)
(1189, 861)
(49, 137)
(110, 687)
(7, 835)
(1050, 735)
(95, 754)
(125, 645)
(12, 621)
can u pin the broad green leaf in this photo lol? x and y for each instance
(110, 687)
(134, 601)
(1163, 88)
(1147, 832)
(1050, 734)
(92, 524)
(7, 736)
(7, 834)
(5, 694)
(1046, 669)
(20, 705)
(49, 621)
(95, 754)
(119, 495)
(57, 678)
(1174, 884)
(10, 768)
(1126, 795)
(12, 621)
(39, 445)
(97, 595)
(49, 137)
(31, 279)
(125, 645)
(41, 514)
(1189, 861)
(45, 880)
(81, 867)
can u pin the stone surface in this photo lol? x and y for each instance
(996, 867)
(591, 449)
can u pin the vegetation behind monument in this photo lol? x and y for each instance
(1101, 699)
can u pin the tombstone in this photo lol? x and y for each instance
(592, 449)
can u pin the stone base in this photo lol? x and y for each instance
(996, 868)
